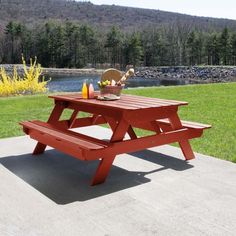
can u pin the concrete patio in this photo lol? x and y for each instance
(152, 192)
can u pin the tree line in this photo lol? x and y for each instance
(74, 45)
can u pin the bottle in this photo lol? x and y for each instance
(91, 91)
(84, 90)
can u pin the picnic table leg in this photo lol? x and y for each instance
(119, 131)
(103, 170)
(187, 150)
(55, 116)
(184, 145)
(156, 127)
(73, 118)
(112, 123)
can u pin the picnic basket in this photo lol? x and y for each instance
(117, 76)
(111, 74)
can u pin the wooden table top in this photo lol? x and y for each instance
(126, 102)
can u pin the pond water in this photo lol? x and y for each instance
(74, 83)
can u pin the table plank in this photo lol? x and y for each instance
(126, 102)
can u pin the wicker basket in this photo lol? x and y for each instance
(116, 90)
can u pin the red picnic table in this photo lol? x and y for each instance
(122, 115)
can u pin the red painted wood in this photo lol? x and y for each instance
(74, 134)
(84, 141)
(56, 113)
(131, 133)
(149, 114)
(103, 170)
(186, 124)
(113, 112)
(39, 149)
(54, 117)
(65, 146)
(113, 123)
(95, 119)
(73, 118)
(156, 127)
(184, 144)
(165, 125)
(149, 141)
(130, 111)
(125, 103)
(87, 121)
(120, 129)
(174, 102)
(186, 149)
(124, 98)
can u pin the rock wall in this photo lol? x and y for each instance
(195, 74)
(202, 74)
(55, 71)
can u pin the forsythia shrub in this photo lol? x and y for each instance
(28, 84)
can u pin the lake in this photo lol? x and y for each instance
(74, 83)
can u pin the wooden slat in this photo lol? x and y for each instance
(157, 99)
(149, 114)
(141, 103)
(111, 104)
(127, 102)
(140, 100)
(149, 141)
(123, 104)
(65, 146)
(96, 103)
(97, 110)
(87, 121)
(74, 134)
(125, 97)
(62, 135)
(187, 124)
(195, 125)
(146, 102)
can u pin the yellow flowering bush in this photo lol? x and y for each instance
(27, 84)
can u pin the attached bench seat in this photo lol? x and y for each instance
(194, 129)
(165, 125)
(88, 148)
(78, 145)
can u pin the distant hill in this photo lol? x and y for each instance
(33, 11)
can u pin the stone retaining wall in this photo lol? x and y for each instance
(56, 71)
(201, 74)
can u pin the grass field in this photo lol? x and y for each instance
(213, 104)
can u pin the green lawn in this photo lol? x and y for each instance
(213, 104)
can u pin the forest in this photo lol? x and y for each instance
(76, 45)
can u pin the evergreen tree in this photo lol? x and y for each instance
(87, 40)
(225, 47)
(199, 49)
(154, 48)
(133, 50)
(73, 45)
(114, 44)
(13, 30)
(233, 44)
(10, 30)
(172, 47)
(58, 38)
(212, 48)
(27, 43)
(71, 42)
(192, 48)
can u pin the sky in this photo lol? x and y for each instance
(211, 8)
